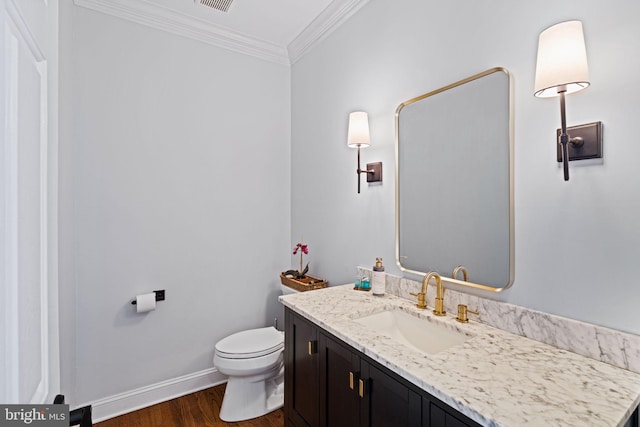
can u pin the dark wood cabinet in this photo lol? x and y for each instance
(390, 402)
(330, 384)
(301, 373)
(435, 416)
(340, 382)
(355, 392)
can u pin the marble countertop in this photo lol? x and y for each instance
(495, 378)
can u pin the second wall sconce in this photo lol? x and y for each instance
(561, 68)
(358, 136)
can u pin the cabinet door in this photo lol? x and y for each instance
(388, 402)
(301, 371)
(435, 416)
(339, 385)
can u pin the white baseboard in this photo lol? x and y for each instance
(142, 397)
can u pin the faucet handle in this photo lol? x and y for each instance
(422, 299)
(462, 313)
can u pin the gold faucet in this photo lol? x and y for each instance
(439, 304)
(422, 296)
(465, 274)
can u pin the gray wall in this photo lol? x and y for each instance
(174, 159)
(577, 243)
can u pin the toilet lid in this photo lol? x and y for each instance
(251, 343)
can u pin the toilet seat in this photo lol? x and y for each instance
(251, 343)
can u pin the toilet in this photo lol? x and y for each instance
(254, 362)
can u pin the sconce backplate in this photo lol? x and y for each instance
(376, 175)
(591, 147)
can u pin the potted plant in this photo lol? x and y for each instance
(299, 279)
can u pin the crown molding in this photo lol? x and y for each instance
(159, 17)
(328, 21)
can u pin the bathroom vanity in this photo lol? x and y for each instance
(344, 367)
(330, 383)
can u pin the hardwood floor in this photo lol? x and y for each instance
(200, 409)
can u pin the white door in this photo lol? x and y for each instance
(29, 365)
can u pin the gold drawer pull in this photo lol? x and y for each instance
(361, 388)
(351, 380)
(312, 347)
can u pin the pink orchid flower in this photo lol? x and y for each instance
(303, 248)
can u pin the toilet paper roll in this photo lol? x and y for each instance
(146, 302)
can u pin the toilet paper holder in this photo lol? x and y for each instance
(159, 296)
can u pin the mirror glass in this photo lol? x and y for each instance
(454, 181)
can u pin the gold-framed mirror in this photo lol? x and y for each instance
(454, 182)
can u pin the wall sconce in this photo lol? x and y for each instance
(358, 136)
(561, 68)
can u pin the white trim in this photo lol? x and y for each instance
(27, 36)
(10, 214)
(52, 78)
(17, 32)
(156, 16)
(162, 18)
(122, 403)
(327, 22)
(43, 388)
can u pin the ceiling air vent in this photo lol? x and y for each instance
(221, 5)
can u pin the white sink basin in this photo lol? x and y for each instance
(420, 334)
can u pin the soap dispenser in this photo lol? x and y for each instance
(378, 281)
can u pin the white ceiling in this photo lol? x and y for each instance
(276, 21)
(276, 30)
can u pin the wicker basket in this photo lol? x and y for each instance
(308, 283)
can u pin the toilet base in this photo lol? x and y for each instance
(251, 397)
